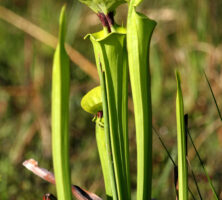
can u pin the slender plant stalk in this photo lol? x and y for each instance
(60, 116)
(191, 194)
(101, 144)
(195, 179)
(164, 146)
(204, 169)
(188, 161)
(78, 192)
(174, 164)
(181, 143)
(107, 134)
(214, 98)
(139, 32)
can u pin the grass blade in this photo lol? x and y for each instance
(181, 143)
(214, 98)
(204, 169)
(188, 162)
(174, 164)
(164, 146)
(60, 116)
(194, 178)
(191, 193)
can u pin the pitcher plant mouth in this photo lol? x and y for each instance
(103, 34)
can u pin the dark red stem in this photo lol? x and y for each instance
(107, 20)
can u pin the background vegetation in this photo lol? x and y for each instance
(188, 36)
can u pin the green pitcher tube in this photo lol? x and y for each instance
(92, 103)
(139, 32)
(101, 145)
(110, 54)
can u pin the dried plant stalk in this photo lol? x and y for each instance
(48, 176)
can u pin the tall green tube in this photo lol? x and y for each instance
(111, 55)
(101, 144)
(139, 32)
(92, 103)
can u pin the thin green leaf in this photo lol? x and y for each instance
(181, 143)
(60, 116)
(194, 178)
(188, 162)
(164, 146)
(107, 134)
(139, 32)
(191, 193)
(174, 164)
(212, 93)
(101, 144)
(204, 169)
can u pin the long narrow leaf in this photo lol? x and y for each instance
(107, 134)
(164, 146)
(101, 143)
(181, 143)
(174, 164)
(204, 169)
(195, 179)
(60, 116)
(188, 162)
(214, 98)
(139, 32)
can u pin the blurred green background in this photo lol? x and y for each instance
(188, 36)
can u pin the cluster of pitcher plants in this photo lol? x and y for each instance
(117, 50)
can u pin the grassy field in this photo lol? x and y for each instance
(188, 37)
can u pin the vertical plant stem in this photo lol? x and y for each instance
(204, 169)
(107, 134)
(181, 143)
(111, 55)
(60, 116)
(214, 98)
(188, 162)
(139, 32)
(191, 194)
(174, 164)
(194, 178)
(164, 146)
(102, 148)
